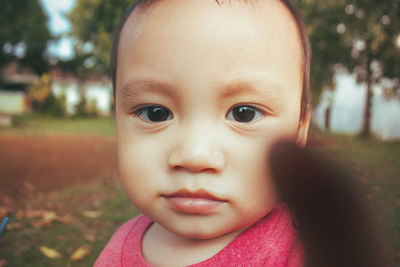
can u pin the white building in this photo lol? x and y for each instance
(13, 97)
(96, 90)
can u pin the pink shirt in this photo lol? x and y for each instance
(269, 242)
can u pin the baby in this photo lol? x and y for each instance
(203, 89)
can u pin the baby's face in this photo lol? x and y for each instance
(203, 92)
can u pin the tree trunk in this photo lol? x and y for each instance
(328, 118)
(366, 125)
(81, 89)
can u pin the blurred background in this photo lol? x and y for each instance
(58, 169)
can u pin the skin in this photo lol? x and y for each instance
(199, 60)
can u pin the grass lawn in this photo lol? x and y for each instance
(88, 215)
(32, 124)
(84, 216)
(377, 165)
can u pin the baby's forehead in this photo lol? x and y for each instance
(161, 16)
(199, 34)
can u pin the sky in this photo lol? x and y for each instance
(59, 26)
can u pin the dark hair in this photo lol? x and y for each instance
(305, 96)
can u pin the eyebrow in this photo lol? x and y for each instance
(134, 88)
(240, 87)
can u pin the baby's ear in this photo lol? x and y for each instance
(336, 226)
(302, 132)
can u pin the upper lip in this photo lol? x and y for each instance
(194, 194)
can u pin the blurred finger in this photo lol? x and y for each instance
(330, 214)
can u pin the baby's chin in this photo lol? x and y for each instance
(204, 234)
(204, 229)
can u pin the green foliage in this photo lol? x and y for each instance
(24, 25)
(348, 33)
(361, 37)
(321, 18)
(51, 106)
(376, 24)
(86, 108)
(93, 23)
(42, 100)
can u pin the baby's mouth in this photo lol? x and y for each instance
(200, 202)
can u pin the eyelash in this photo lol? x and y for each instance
(258, 113)
(164, 114)
(141, 113)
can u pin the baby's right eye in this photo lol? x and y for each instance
(153, 114)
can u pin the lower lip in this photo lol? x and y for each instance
(194, 205)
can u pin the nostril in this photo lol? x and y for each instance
(196, 161)
(195, 170)
(177, 168)
(210, 170)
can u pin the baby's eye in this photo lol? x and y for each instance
(153, 113)
(245, 113)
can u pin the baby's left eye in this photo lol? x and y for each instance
(245, 114)
(153, 113)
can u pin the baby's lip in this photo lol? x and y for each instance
(185, 193)
(199, 202)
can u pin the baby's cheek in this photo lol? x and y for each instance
(129, 165)
(132, 179)
(251, 165)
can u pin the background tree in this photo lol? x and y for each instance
(322, 19)
(24, 34)
(363, 37)
(42, 100)
(93, 23)
(81, 66)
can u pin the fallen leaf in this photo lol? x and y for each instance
(3, 263)
(49, 216)
(29, 214)
(90, 237)
(93, 214)
(28, 186)
(377, 188)
(46, 218)
(50, 253)
(5, 200)
(19, 214)
(37, 224)
(65, 219)
(4, 211)
(60, 237)
(41, 224)
(80, 253)
(97, 203)
(15, 226)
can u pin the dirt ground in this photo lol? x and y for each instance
(48, 162)
(42, 163)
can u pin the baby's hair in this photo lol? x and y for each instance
(305, 96)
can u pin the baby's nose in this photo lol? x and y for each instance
(197, 152)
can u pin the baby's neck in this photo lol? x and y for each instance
(160, 247)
